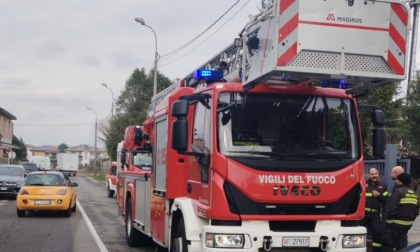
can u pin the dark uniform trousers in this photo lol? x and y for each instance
(402, 210)
(372, 220)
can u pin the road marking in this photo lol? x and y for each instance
(92, 230)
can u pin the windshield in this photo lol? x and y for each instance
(11, 171)
(286, 126)
(45, 180)
(30, 167)
(142, 160)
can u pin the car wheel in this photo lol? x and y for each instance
(109, 192)
(73, 209)
(179, 243)
(67, 212)
(134, 237)
(20, 213)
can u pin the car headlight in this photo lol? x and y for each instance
(19, 184)
(225, 240)
(354, 241)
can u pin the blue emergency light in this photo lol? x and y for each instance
(334, 84)
(208, 74)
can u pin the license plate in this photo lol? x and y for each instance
(42, 202)
(3, 188)
(295, 241)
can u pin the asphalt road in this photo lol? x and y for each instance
(94, 227)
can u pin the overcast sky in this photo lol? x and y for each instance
(54, 55)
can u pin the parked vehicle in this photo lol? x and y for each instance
(111, 180)
(47, 191)
(11, 179)
(43, 163)
(29, 167)
(68, 163)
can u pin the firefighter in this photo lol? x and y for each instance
(402, 209)
(376, 196)
(397, 170)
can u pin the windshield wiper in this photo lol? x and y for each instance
(326, 155)
(264, 153)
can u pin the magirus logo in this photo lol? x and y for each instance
(332, 17)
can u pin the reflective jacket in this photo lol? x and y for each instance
(373, 204)
(402, 207)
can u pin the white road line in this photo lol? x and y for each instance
(92, 230)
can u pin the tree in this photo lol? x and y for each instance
(62, 147)
(131, 106)
(385, 98)
(16, 142)
(411, 117)
(23, 150)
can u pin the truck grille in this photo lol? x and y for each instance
(241, 204)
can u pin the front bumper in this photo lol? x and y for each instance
(256, 235)
(8, 190)
(53, 206)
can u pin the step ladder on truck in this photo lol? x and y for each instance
(260, 149)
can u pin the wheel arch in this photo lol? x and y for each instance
(193, 228)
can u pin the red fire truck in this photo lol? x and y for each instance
(260, 148)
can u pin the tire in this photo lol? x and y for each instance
(20, 213)
(133, 236)
(179, 243)
(109, 192)
(67, 212)
(73, 209)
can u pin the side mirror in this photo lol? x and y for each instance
(138, 135)
(180, 108)
(180, 134)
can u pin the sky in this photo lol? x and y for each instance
(54, 56)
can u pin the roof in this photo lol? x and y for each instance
(6, 145)
(47, 172)
(6, 114)
(45, 148)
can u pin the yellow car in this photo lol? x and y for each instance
(46, 190)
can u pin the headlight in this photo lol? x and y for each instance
(224, 240)
(19, 184)
(354, 241)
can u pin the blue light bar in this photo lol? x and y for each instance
(208, 74)
(334, 84)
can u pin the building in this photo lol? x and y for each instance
(6, 136)
(85, 153)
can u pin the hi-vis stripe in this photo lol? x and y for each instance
(289, 17)
(397, 38)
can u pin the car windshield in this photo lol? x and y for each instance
(30, 167)
(11, 171)
(286, 127)
(45, 180)
(142, 160)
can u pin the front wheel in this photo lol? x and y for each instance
(133, 236)
(109, 192)
(179, 243)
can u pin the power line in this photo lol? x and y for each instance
(51, 125)
(199, 35)
(163, 65)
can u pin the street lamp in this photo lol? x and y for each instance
(142, 22)
(112, 97)
(96, 134)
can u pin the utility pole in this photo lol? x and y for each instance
(414, 4)
(142, 22)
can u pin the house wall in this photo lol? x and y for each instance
(6, 129)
